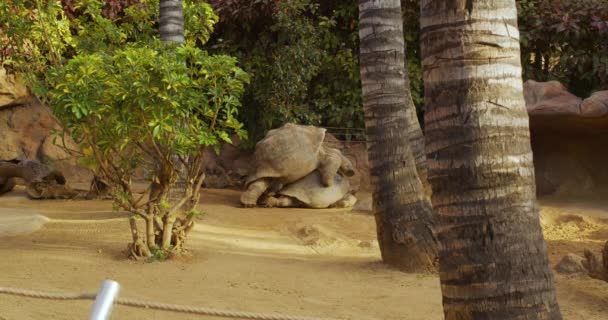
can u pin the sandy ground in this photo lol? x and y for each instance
(296, 261)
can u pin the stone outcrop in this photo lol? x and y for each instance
(596, 105)
(229, 168)
(12, 92)
(569, 139)
(550, 98)
(571, 264)
(26, 131)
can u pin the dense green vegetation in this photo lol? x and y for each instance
(302, 55)
(130, 101)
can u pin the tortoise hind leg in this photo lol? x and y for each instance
(348, 201)
(280, 202)
(250, 197)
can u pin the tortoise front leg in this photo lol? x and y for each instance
(250, 197)
(348, 201)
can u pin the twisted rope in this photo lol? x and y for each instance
(154, 305)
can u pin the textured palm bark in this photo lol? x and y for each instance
(403, 213)
(171, 22)
(492, 255)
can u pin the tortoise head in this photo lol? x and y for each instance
(55, 176)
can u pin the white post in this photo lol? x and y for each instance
(105, 298)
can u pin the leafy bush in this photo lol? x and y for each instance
(281, 51)
(562, 40)
(132, 102)
(303, 58)
(566, 41)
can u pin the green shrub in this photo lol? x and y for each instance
(131, 102)
(565, 41)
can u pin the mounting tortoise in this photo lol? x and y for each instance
(289, 153)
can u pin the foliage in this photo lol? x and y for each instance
(280, 50)
(323, 86)
(38, 34)
(566, 41)
(140, 94)
(132, 102)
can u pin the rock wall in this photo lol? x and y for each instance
(569, 138)
(569, 141)
(26, 131)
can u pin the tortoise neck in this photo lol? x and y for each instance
(10, 170)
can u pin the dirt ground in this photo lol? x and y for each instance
(296, 261)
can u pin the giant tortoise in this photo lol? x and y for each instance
(311, 193)
(288, 154)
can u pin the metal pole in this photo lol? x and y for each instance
(104, 301)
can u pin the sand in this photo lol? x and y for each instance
(296, 261)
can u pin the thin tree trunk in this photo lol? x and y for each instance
(403, 214)
(171, 24)
(493, 259)
(415, 134)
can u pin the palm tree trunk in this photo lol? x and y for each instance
(171, 24)
(492, 256)
(403, 214)
(171, 30)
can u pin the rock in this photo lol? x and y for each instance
(596, 105)
(569, 154)
(27, 133)
(597, 266)
(550, 98)
(571, 264)
(364, 204)
(12, 91)
(228, 169)
(55, 151)
(217, 181)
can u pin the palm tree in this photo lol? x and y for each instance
(171, 24)
(492, 255)
(403, 213)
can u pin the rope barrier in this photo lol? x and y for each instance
(155, 305)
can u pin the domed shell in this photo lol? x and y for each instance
(287, 153)
(310, 191)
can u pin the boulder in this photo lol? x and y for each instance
(12, 91)
(550, 98)
(26, 130)
(229, 168)
(569, 139)
(596, 105)
(571, 264)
